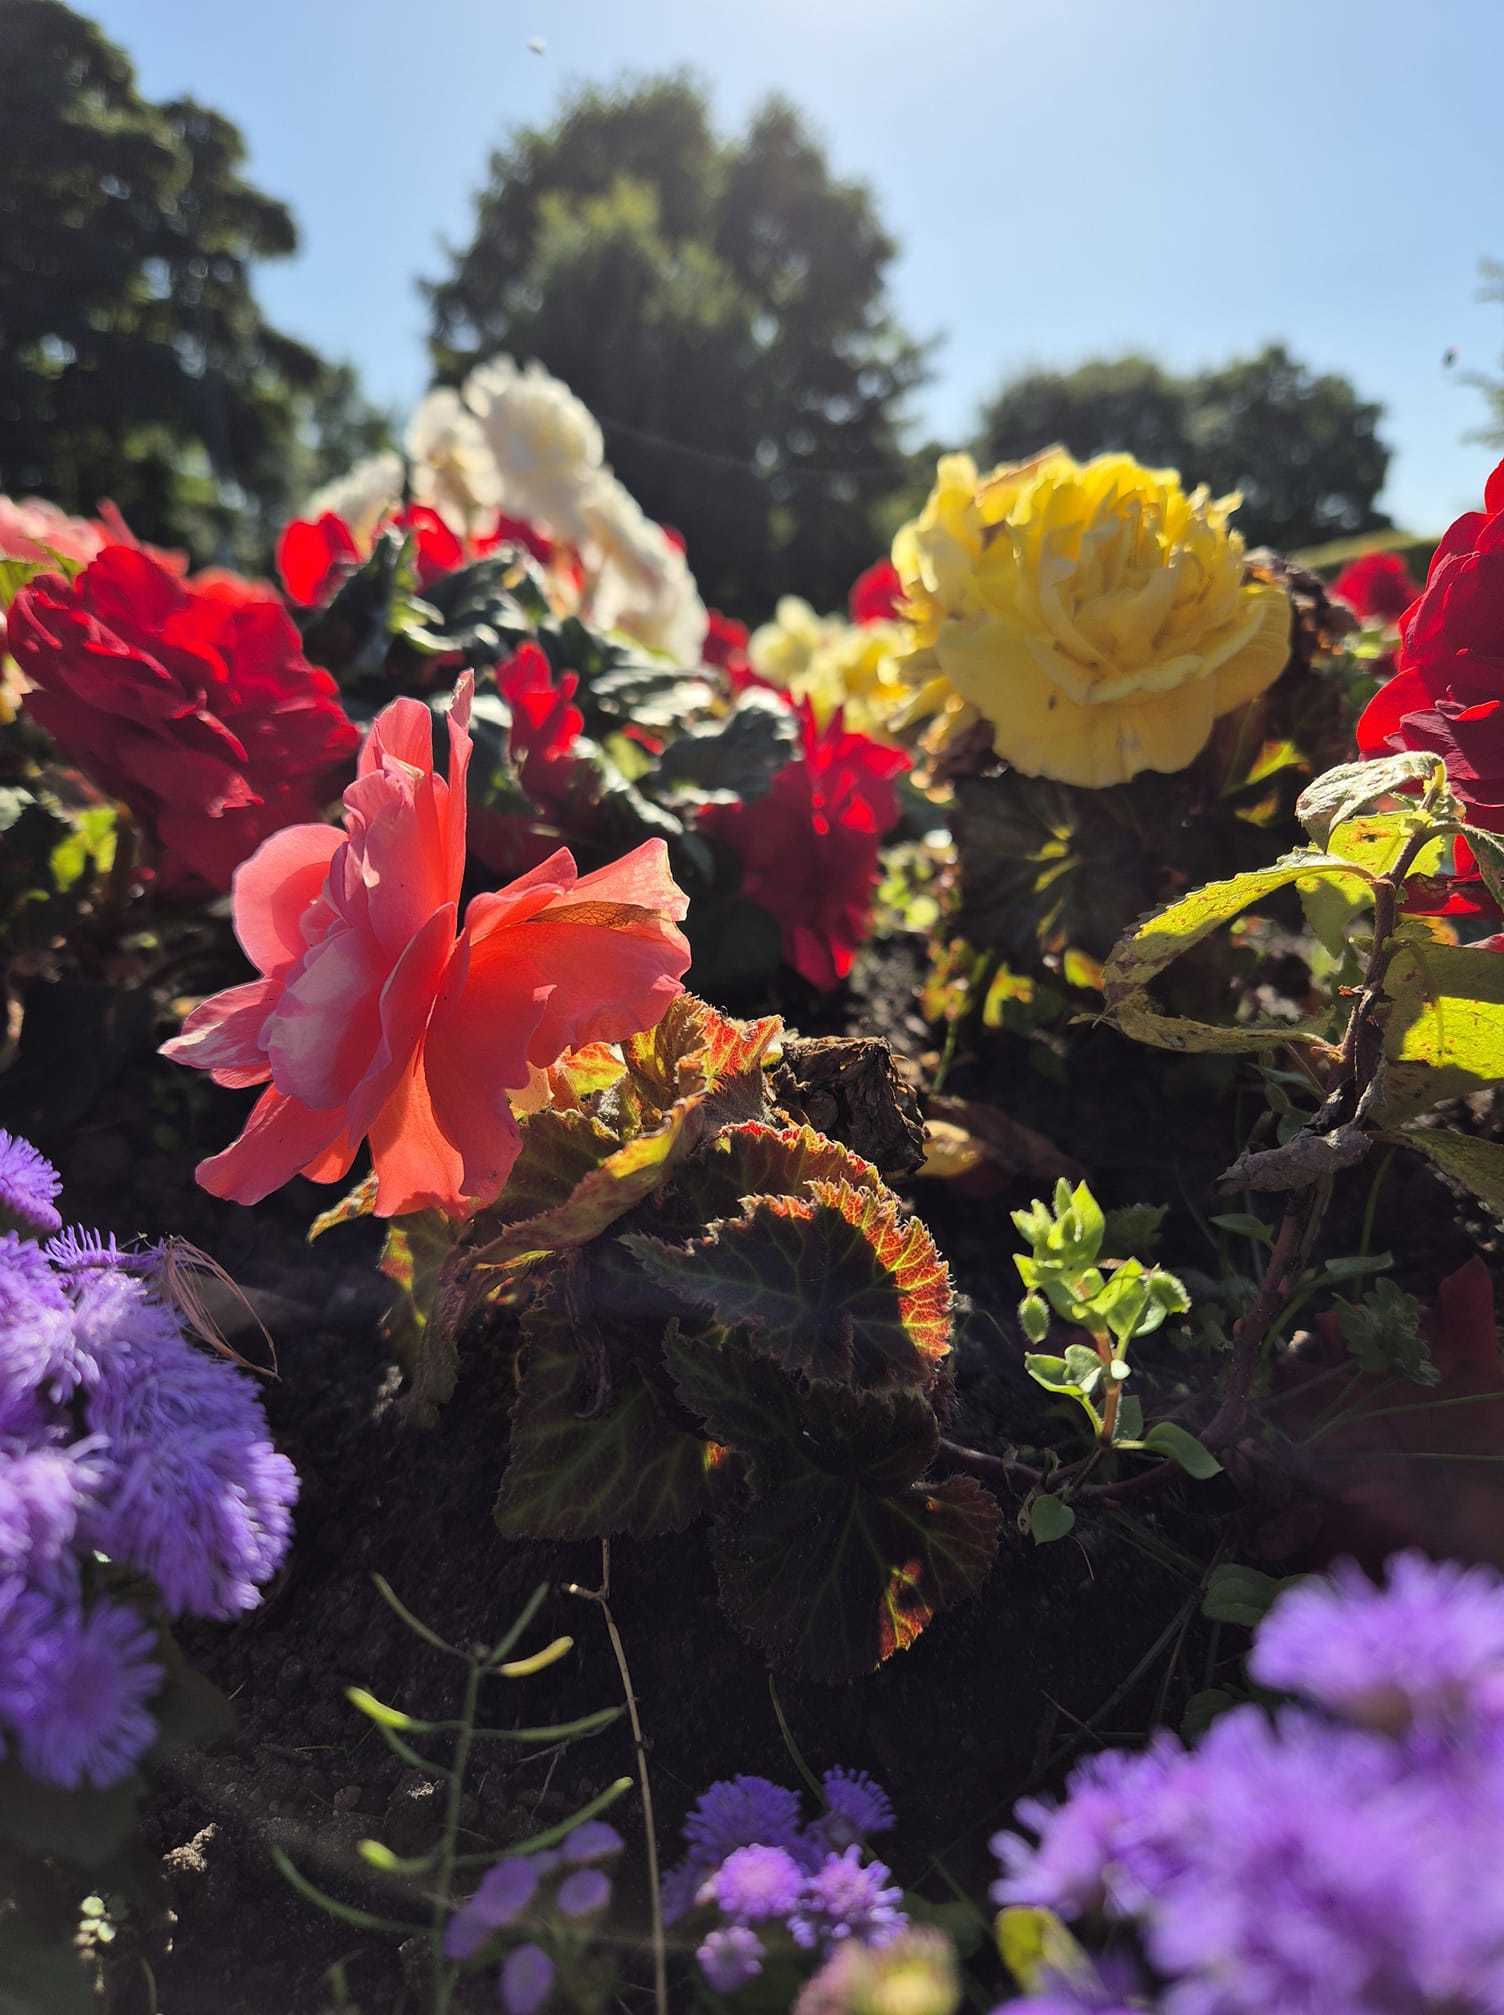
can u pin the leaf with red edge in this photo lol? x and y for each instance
(759, 1160)
(580, 1073)
(584, 1465)
(841, 1556)
(836, 1285)
(694, 1049)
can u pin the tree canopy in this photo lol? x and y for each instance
(135, 362)
(721, 306)
(1302, 447)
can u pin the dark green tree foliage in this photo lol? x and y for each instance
(135, 363)
(1303, 448)
(720, 306)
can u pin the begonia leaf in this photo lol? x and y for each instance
(585, 1464)
(836, 1284)
(841, 1556)
(758, 1160)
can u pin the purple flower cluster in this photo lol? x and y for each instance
(117, 1438)
(751, 1858)
(581, 1890)
(1331, 1860)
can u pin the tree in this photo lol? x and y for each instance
(135, 362)
(1302, 448)
(721, 306)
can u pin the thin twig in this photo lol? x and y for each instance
(602, 1598)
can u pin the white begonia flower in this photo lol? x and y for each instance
(362, 496)
(453, 468)
(640, 580)
(546, 443)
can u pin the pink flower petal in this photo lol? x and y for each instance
(222, 1034)
(281, 1138)
(272, 891)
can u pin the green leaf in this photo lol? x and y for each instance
(1165, 1438)
(736, 758)
(1160, 938)
(1340, 794)
(1246, 1225)
(1133, 1227)
(583, 1466)
(1050, 1518)
(1034, 1317)
(1203, 1708)
(1377, 840)
(838, 1555)
(836, 1285)
(15, 574)
(1488, 852)
(1383, 1334)
(1477, 1164)
(1241, 1595)
(1130, 1421)
(1353, 1266)
(1444, 1030)
(90, 843)
(1083, 1367)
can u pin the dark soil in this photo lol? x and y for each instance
(1064, 1646)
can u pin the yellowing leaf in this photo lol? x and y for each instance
(358, 1202)
(1160, 938)
(1444, 1033)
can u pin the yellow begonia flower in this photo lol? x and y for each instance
(833, 663)
(1094, 614)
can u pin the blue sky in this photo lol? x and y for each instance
(1065, 177)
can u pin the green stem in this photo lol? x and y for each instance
(443, 1974)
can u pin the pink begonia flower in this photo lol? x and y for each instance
(375, 1018)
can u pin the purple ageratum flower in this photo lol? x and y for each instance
(856, 1806)
(594, 1841)
(847, 1898)
(505, 1892)
(1325, 1874)
(76, 1688)
(731, 1957)
(44, 1495)
(28, 1183)
(197, 1495)
(38, 1349)
(1425, 1648)
(1104, 1844)
(76, 1250)
(527, 1980)
(583, 1892)
(742, 1812)
(755, 1884)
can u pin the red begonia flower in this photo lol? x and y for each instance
(376, 1016)
(877, 595)
(1447, 693)
(191, 701)
(808, 847)
(312, 556)
(546, 723)
(1378, 584)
